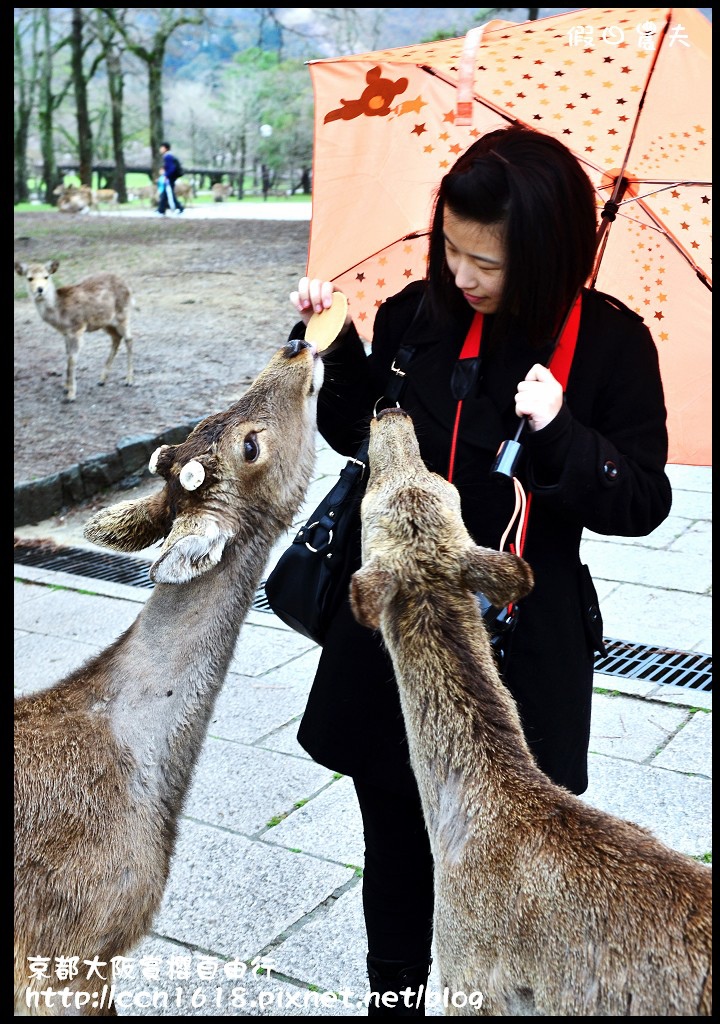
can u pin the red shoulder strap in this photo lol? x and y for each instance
(562, 357)
(560, 364)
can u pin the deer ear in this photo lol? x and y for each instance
(500, 575)
(195, 544)
(371, 587)
(129, 525)
(52, 266)
(20, 268)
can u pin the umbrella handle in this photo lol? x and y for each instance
(508, 454)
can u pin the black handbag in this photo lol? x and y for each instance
(312, 576)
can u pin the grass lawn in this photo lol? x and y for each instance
(134, 181)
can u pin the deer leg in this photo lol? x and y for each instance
(115, 339)
(72, 345)
(127, 335)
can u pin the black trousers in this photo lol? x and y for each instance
(168, 199)
(398, 888)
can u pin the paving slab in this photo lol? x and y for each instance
(690, 749)
(233, 990)
(330, 949)
(631, 729)
(249, 708)
(26, 591)
(692, 504)
(329, 826)
(39, 661)
(285, 740)
(233, 896)
(245, 788)
(674, 806)
(656, 568)
(695, 543)
(659, 618)
(260, 649)
(77, 615)
(684, 696)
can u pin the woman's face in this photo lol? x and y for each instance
(475, 254)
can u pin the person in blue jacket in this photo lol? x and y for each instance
(513, 237)
(167, 200)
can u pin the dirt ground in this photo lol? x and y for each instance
(211, 308)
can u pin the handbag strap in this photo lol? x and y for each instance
(317, 534)
(355, 467)
(396, 383)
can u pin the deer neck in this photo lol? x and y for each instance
(164, 674)
(467, 747)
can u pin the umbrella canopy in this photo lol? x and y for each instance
(626, 89)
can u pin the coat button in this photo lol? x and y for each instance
(610, 470)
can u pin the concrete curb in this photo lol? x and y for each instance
(37, 500)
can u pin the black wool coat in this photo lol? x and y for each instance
(600, 465)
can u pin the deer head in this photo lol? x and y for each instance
(236, 471)
(413, 535)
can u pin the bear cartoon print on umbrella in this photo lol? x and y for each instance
(626, 89)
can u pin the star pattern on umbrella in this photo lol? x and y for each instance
(652, 161)
(509, 60)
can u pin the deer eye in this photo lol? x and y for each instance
(251, 448)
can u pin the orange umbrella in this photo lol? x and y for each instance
(627, 89)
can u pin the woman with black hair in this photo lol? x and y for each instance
(512, 244)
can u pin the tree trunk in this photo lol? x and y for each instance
(84, 130)
(26, 78)
(155, 110)
(21, 192)
(153, 56)
(243, 161)
(51, 175)
(115, 88)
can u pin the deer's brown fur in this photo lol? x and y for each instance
(104, 758)
(545, 905)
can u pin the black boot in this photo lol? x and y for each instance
(407, 981)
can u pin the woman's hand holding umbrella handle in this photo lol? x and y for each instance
(313, 296)
(539, 397)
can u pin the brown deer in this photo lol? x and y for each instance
(104, 758)
(101, 302)
(74, 198)
(543, 904)
(78, 198)
(220, 192)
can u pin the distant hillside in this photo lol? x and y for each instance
(233, 29)
(236, 28)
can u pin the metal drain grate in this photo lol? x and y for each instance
(627, 660)
(99, 565)
(656, 665)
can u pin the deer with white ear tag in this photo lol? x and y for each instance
(104, 758)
